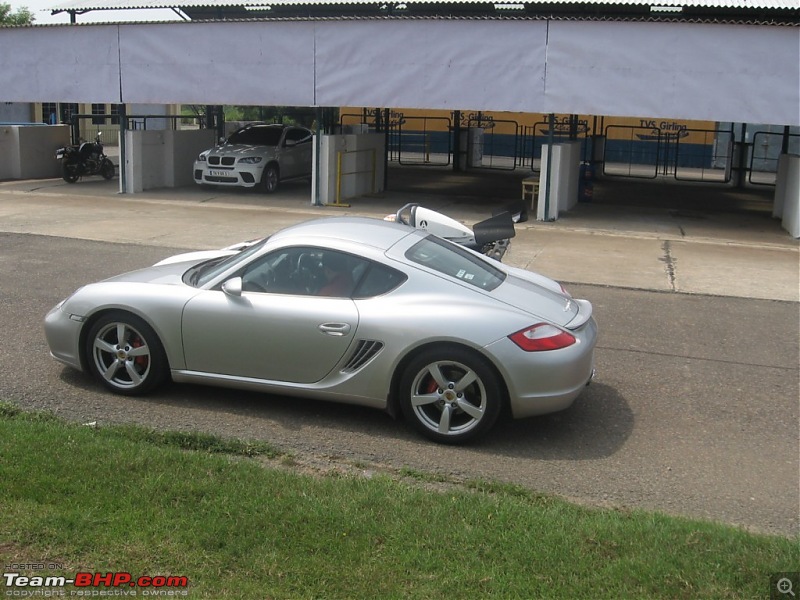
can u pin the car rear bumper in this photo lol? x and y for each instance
(539, 383)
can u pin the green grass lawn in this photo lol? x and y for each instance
(237, 523)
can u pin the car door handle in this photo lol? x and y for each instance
(336, 329)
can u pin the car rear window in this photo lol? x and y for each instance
(454, 261)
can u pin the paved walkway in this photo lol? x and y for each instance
(740, 254)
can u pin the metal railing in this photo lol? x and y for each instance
(421, 141)
(707, 160)
(499, 143)
(535, 136)
(765, 152)
(701, 155)
(85, 127)
(632, 152)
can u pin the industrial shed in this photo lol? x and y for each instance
(730, 60)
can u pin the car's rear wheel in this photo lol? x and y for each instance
(270, 178)
(125, 354)
(450, 395)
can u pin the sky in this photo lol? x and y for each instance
(41, 10)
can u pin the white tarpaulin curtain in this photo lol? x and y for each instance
(432, 64)
(261, 64)
(738, 73)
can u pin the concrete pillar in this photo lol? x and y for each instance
(565, 176)
(787, 194)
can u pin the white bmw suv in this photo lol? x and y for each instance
(257, 155)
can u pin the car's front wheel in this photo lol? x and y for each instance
(125, 354)
(270, 178)
(450, 395)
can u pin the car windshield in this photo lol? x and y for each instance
(262, 136)
(201, 274)
(450, 259)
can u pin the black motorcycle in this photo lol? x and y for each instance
(84, 159)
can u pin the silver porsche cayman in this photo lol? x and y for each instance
(351, 310)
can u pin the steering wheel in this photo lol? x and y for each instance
(260, 280)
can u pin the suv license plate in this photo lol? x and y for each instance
(220, 173)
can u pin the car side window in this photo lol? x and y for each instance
(266, 136)
(305, 271)
(298, 136)
(378, 280)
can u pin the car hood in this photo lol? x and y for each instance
(196, 257)
(163, 274)
(242, 150)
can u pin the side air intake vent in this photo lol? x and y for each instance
(364, 351)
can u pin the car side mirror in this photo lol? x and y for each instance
(233, 287)
(290, 143)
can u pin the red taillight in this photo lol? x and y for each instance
(542, 336)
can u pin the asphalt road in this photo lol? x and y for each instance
(694, 410)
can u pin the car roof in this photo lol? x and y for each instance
(271, 126)
(359, 230)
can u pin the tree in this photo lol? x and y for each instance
(22, 16)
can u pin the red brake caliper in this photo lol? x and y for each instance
(140, 361)
(431, 386)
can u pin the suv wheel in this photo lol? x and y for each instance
(269, 180)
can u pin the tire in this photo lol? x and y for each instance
(69, 172)
(270, 178)
(450, 395)
(125, 354)
(107, 169)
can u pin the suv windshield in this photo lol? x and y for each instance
(259, 135)
(450, 259)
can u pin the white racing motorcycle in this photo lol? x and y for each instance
(491, 237)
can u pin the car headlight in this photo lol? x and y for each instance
(202, 157)
(250, 160)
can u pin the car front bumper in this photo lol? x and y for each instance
(63, 332)
(236, 176)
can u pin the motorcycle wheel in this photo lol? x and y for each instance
(69, 173)
(107, 169)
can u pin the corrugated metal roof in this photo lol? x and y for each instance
(88, 5)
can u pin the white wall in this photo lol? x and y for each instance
(29, 152)
(161, 158)
(787, 194)
(9, 150)
(182, 150)
(351, 165)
